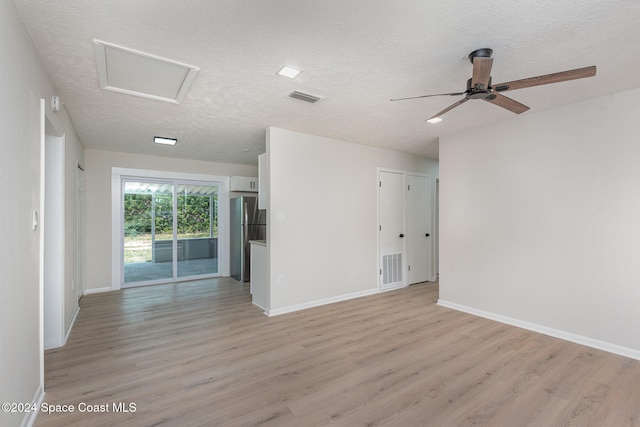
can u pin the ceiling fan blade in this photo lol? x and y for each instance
(481, 73)
(428, 96)
(546, 79)
(449, 108)
(508, 103)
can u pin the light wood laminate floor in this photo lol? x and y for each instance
(200, 354)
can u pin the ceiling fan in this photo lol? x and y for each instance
(479, 86)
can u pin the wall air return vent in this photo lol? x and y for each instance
(132, 72)
(391, 269)
(307, 97)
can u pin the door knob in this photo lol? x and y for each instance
(401, 235)
(427, 235)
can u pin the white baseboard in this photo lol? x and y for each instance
(30, 417)
(318, 303)
(97, 290)
(567, 336)
(395, 287)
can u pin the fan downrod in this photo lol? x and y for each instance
(480, 53)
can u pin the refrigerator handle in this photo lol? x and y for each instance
(246, 213)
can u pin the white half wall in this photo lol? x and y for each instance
(540, 220)
(322, 217)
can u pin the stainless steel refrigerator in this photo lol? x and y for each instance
(247, 223)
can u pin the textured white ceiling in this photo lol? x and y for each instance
(357, 54)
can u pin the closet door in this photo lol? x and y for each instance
(391, 211)
(419, 237)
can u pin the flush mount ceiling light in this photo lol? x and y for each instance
(137, 73)
(165, 141)
(289, 72)
(435, 120)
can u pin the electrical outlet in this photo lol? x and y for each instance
(281, 279)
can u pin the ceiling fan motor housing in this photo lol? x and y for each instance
(473, 93)
(480, 53)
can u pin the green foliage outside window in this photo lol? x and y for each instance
(193, 215)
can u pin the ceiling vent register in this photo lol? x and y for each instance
(307, 97)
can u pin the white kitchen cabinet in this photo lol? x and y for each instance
(258, 286)
(247, 184)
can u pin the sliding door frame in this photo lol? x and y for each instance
(117, 226)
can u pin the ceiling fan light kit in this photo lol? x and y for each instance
(480, 86)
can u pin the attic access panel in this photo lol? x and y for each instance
(141, 74)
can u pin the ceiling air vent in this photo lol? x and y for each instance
(307, 97)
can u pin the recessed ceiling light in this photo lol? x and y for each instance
(165, 141)
(435, 120)
(289, 72)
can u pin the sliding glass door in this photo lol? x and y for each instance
(148, 231)
(170, 230)
(197, 219)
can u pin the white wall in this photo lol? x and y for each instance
(98, 170)
(54, 238)
(540, 221)
(23, 82)
(327, 189)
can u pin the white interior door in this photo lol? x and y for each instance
(391, 208)
(419, 234)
